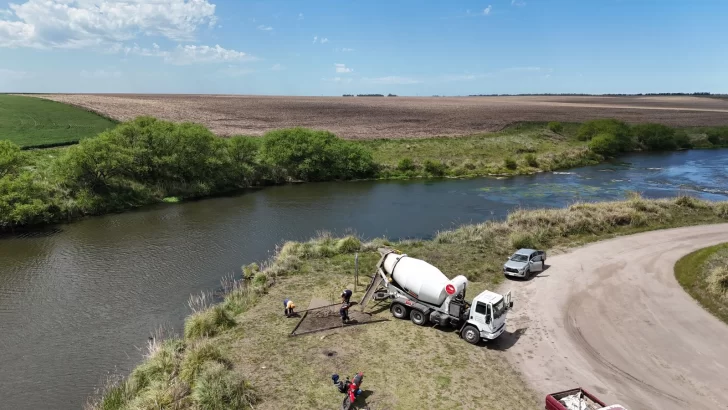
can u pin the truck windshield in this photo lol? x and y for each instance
(499, 308)
(519, 258)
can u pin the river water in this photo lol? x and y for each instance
(76, 300)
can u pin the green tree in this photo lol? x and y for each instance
(619, 129)
(406, 165)
(11, 158)
(24, 200)
(308, 155)
(682, 140)
(605, 144)
(655, 137)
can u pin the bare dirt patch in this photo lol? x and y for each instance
(379, 117)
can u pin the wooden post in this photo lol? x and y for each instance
(356, 270)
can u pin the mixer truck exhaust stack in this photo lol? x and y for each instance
(423, 293)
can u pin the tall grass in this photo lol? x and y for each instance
(704, 275)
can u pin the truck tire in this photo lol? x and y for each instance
(399, 311)
(418, 317)
(471, 335)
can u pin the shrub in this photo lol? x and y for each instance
(604, 144)
(218, 388)
(158, 367)
(208, 322)
(618, 129)
(655, 137)
(718, 280)
(721, 210)
(348, 244)
(718, 135)
(307, 155)
(406, 165)
(531, 160)
(555, 126)
(682, 140)
(11, 158)
(526, 240)
(510, 163)
(196, 357)
(435, 168)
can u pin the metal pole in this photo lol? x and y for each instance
(356, 270)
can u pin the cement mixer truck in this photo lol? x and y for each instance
(423, 293)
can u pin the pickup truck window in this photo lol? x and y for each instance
(519, 258)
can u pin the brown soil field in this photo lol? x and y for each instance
(389, 117)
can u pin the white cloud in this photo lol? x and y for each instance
(8, 75)
(100, 74)
(278, 67)
(300, 16)
(337, 80)
(518, 3)
(342, 68)
(345, 50)
(315, 38)
(191, 54)
(487, 10)
(89, 23)
(324, 40)
(466, 76)
(265, 28)
(390, 80)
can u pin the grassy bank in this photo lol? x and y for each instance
(35, 122)
(249, 335)
(704, 275)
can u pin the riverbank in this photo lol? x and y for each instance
(244, 339)
(147, 161)
(704, 275)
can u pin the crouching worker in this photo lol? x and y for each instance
(289, 306)
(346, 296)
(344, 313)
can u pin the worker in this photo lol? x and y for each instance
(344, 313)
(289, 306)
(346, 296)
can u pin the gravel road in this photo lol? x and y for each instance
(611, 317)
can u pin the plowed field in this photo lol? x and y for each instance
(388, 117)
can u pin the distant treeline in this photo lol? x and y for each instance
(700, 94)
(370, 95)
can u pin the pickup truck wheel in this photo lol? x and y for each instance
(418, 318)
(471, 335)
(399, 311)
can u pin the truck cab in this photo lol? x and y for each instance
(486, 318)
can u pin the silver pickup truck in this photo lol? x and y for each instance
(524, 262)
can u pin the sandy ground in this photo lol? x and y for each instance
(410, 117)
(612, 318)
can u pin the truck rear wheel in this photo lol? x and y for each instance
(418, 317)
(471, 335)
(399, 311)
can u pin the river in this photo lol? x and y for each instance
(77, 299)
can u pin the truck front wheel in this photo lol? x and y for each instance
(399, 311)
(418, 317)
(471, 335)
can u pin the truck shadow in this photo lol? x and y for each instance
(506, 340)
(528, 279)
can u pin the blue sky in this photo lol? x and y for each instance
(357, 46)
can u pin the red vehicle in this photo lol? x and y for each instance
(350, 388)
(577, 399)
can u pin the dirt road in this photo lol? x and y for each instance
(612, 318)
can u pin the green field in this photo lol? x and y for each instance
(35, 122)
